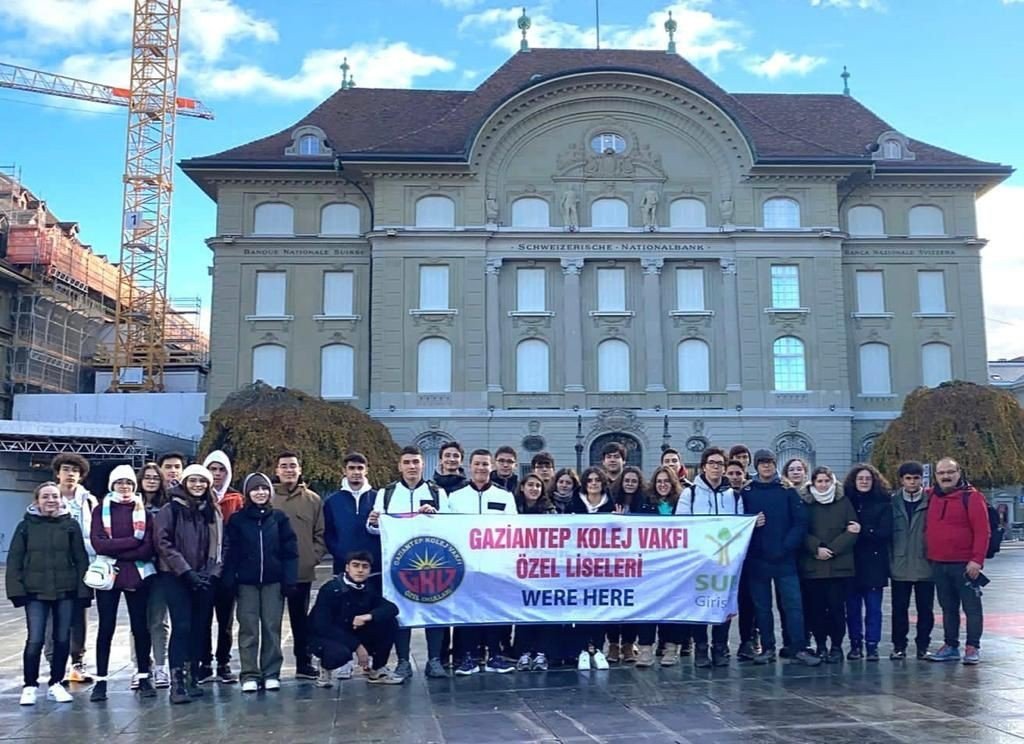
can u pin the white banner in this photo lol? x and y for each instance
(452, 569)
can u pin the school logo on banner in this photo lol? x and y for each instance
(427, 569)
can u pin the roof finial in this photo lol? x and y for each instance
(347, 81)
(524, 26)
(670, 27)
(846, 81)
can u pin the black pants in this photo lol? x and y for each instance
(924, 602)
(298, 610)
(719, 634)
(667, 633)
(589, 635)
(223, 607)
(138, 605)
(952, 589)
(40, 614)
(536, 639)
(825, 608)
(376, 637)
(478, 641)
(747, 619)
(403, 642)
(623, 634)
(189, 610)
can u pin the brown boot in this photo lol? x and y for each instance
(613, 653)
(646, 657)
(628, 653)
(670, 657)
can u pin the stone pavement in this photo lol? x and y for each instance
(858, 702)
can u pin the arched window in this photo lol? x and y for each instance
(875, 377)
(309, 144)
(532, 366)
(688, 214)
(268, 364)
(865, 220)
(609, 212)
(936, 364)
(339, 219)
(434, 366)
(926, 219)
(794, 444)
(613, 366)
(781, 213)
(337, 371)
(694, 366)
(790, 364)
(435, 211)
(273, 218)
(530, 211)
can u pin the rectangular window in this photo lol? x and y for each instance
(530, 290)
(785, 287)
(611, 290)
(338, 287)
(870, 292)
(689, 289)
(931, 291)
(433, 287)
(270, 293)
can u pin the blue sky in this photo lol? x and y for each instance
(944, 71)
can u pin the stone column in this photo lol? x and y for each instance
(493, 326)
(571, 268)
(651, 309)
(730, 302)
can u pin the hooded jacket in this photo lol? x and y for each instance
(954, 534)
(580, 505)
(702, 498)
(345, 514)
(826, 528)
(186, 535)
(80, 508)
(46, 559)
(260, 548)
(305, 511)
(122, 545)
(774, 546)
(228, 500)
(338, 602)
(871, 554)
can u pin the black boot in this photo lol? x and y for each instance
(179, 691)
(701, 660)
(99, 691)
(192, 682)
(146, 689)
(719, 656)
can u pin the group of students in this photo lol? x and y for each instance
(183, 546)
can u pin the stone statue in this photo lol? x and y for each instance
(491, 209)
(570, 213)
(726, 207)
(649, 208)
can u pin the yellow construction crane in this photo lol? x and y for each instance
(140, 352)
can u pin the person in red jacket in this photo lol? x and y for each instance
(956, 540)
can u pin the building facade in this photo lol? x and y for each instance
(596, 246)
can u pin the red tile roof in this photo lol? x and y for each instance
(432, 124)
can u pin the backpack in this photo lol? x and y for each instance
(389, 491)
(995, 530)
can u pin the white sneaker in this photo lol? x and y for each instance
(250, 685)
(600, 661)
(523, 665)
(345, 671)
(161, 678)
(584, 661)
(135, 681)
(28, 696)
(272, 684)
(324, 678)
(58, 694)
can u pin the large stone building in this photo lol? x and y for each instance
(598, 245)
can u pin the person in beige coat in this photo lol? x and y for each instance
(305, 512)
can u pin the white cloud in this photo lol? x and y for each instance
(1002, 265)
(862, 4)
(783, 63)
(379, 65)
(701, 36)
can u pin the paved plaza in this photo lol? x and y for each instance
(859, 702)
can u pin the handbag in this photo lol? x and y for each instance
(101, 573)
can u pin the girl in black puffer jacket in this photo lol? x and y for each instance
(261, 560)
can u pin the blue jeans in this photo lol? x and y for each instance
(788, 590)
(37, 613)
(864, 615)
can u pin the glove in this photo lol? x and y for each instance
(288, 590)
(197, 582)
(19, 601)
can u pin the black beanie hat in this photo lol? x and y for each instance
(254, 480)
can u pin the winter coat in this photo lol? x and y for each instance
(122, 543)
(774, 546)
(46, 559)
(826, 528)
(80, 507)
(510, 484)
(345, 515)
(491, 499)
(542, 505)
(908, 559)
(227, 499)
(338, 602)
(450, 481)
(185, 529)
(649, 508)
(702, 498)
(305, 511)
(260, 548)
(578, 505)
(954, 534)
(871, 554)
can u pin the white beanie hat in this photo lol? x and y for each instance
(121, 472)
(196, 469)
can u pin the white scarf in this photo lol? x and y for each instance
(823, 497)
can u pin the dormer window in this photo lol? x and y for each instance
(309, 141)
(892, 150)
(892, 145)
(309, 144)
